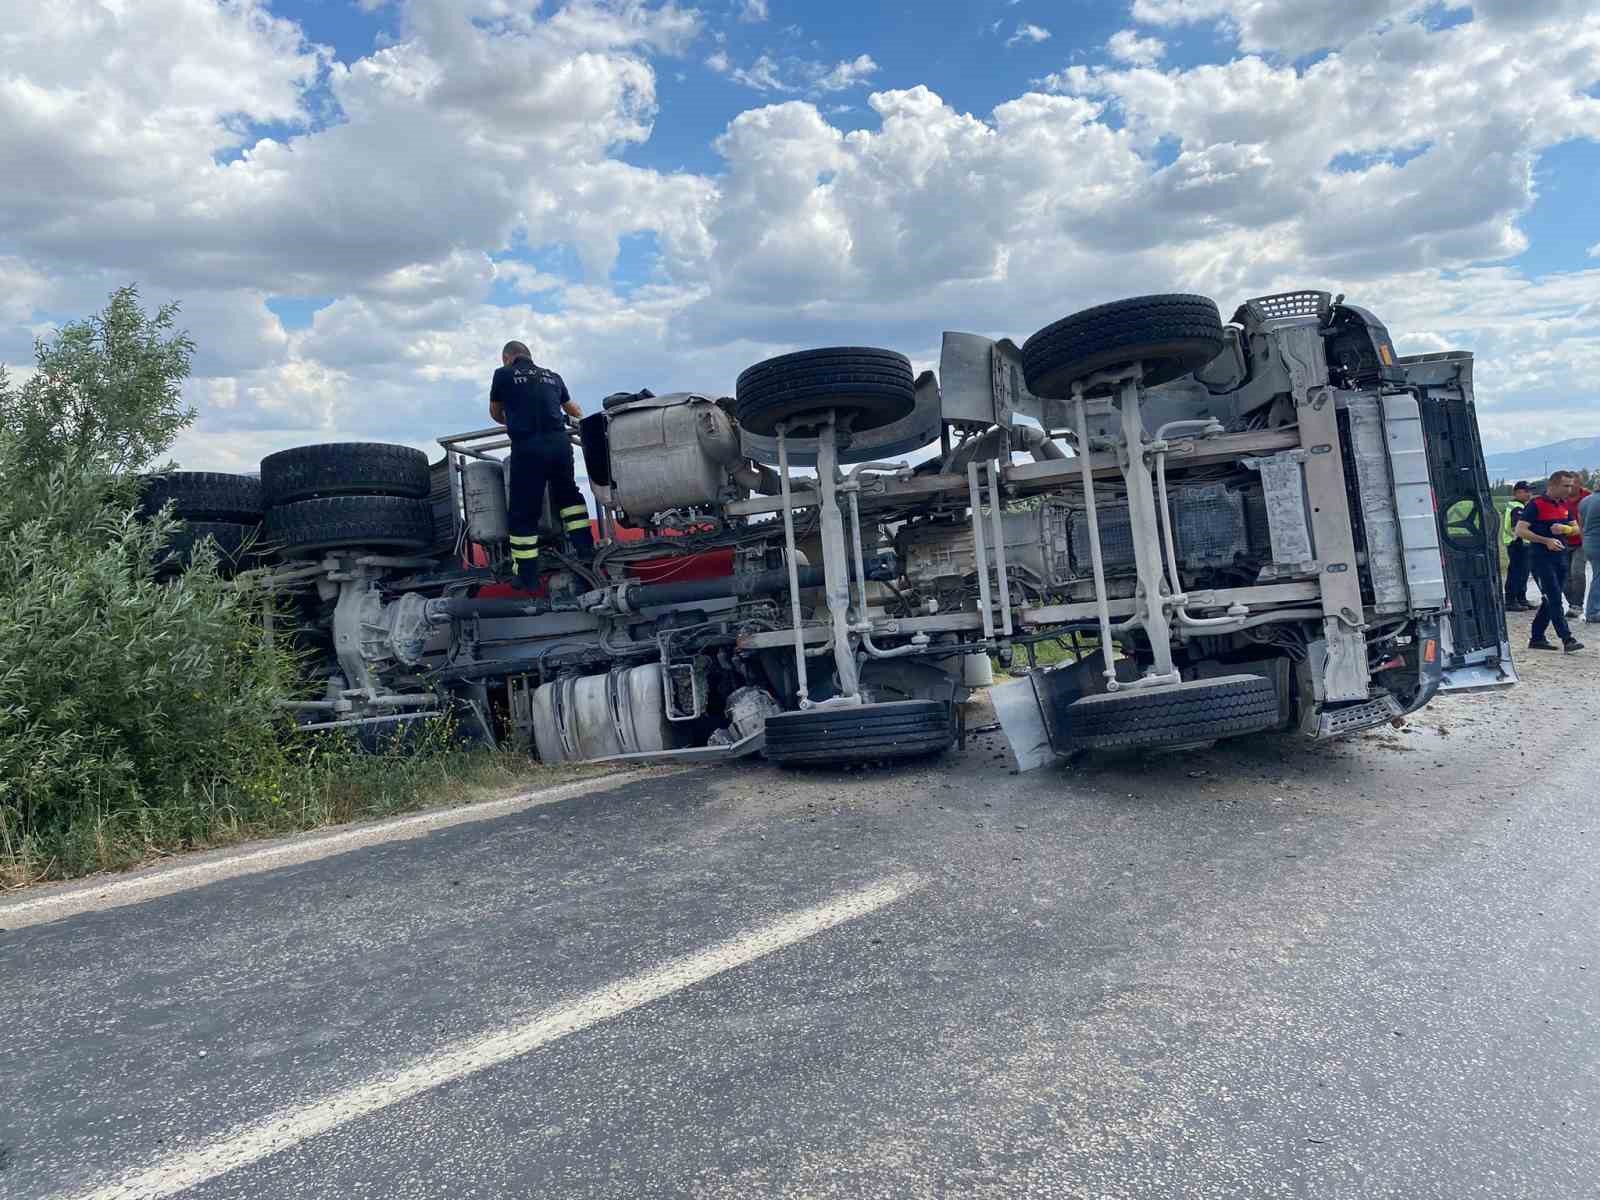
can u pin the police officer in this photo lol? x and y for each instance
(1517, 550)
(530, 400)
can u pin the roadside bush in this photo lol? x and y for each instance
(126, 704)
(124, 701)
(139, 715)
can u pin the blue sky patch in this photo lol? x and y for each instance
(1353, 164)
(1562, 224)
(296, 312)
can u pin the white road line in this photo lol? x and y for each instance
(94, 895)
(289, 1127)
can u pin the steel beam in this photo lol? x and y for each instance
(1346, 676)
(821, 635)
(836, 561)
(1252, 597)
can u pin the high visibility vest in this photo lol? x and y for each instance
(1508, 523)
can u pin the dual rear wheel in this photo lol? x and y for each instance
(307, 500)
(345, 495)
(226, 509)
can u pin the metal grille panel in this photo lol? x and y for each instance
(1208, 520)
(1116, 540)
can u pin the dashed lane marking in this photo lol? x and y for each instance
(289, 1127)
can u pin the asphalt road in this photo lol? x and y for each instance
(1362, 970)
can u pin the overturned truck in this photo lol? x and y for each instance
(1269, 524)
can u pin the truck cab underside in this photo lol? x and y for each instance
(1269, 524)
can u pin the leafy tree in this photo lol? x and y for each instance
(105, 395)
(127, 703)
(140, 713)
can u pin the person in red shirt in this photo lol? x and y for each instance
(1577, 562)
(1544, 522)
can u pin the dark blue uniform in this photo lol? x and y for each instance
(1517, 560)
(531, 397)
(1549, 567)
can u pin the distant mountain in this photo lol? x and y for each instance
(1535, 461)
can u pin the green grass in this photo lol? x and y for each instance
(322, 783)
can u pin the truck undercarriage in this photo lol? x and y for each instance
(1273, 524)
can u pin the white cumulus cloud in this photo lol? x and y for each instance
(848, 74)
(1297, 27)
(433, 197)
(764, 75)
(1293, 26)
(1028, 33)
(1127, 46)
(796, 75)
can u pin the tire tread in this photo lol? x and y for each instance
(871, 733)
(203, 496)
(234, 544)
(1200, 710)
(333, 522)
(344, 469)
(876, 385)
(1182, 332)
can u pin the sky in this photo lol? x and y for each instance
(357, 201)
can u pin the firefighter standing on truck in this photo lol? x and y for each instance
(532, 402)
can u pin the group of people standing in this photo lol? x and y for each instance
(1545, 543)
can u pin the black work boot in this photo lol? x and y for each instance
(1572, 645)
(1540, 644)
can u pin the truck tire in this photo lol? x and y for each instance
(235, 543)
(337, 522)
(1170, 335)
(344, 469)
(202, 496)
(1201, 710)
(899, 729)
(873, 387)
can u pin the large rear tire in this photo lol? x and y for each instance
(235, 545)
(897, 730)
(1201, 710)
(344, 469)
(1169, 335)
(873, 388)
(349, 522)
(202, 496)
